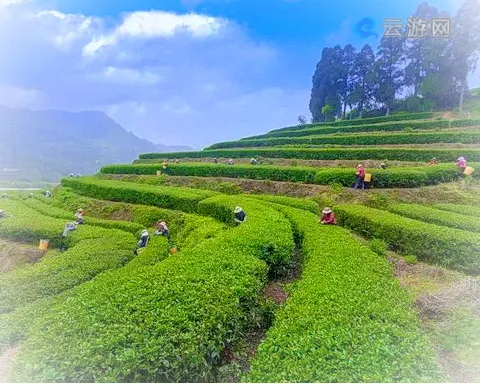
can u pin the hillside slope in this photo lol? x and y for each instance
(50, 144)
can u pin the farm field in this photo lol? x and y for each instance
(390, 294)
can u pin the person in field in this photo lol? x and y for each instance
(461, 163)
(433, 161)
(47, 194)
(4, 196)
(79, 216)
(253, 161)
(230, 162)
(165, 167)
(30, 196)
(215, 160)
(360, 177)
(143, 242)
(69, 227)
(382, 165)
(328, 217)
(240, 215)
(162, 229)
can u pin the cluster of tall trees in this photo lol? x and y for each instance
(411, 74)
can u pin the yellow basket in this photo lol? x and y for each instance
(173, 250)
(43, 245)
(468, 171)
(368, 177)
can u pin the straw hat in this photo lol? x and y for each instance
(238, 209)
(327, 210)
(461, 159)
(359, 166)
(80, 210)
(144, 233)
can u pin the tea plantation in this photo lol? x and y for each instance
(97, 312)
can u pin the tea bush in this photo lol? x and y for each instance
(459, 208)
(468, 137)
(169, 322)
(380, 247)
(400, 154)
(448, 247)
(346, 320)
(436, 216)
(386, 127)
(182, 199)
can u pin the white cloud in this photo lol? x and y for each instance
(175, 79)
(155, 24)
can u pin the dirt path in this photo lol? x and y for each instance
(6, 359)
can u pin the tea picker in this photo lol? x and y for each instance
(328, 217)
(143, 242)
(240, 215)
(69, 227)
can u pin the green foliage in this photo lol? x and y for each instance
(408, 129)
(411, 259)
(460, 209)
(378, 246)
(448, 247)
(182, 199)
(305, 204)
(391, 177)
(346, 296)
(468, 137)
(275, 245)
(372, 120)
(168, 322)
(436, 216)
(385, 127)
(400, 154)
(262, 172)
(58, 213)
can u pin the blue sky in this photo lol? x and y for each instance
(237, 68)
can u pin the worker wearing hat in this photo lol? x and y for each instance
(360, 177)
(162, 229)
(328, 217)
(79, 216)
(240, 215)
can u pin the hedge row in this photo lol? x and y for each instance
(467, 210)
(357, 139)
(436, 216)
(259, 172)
(304, 204)
(185, 229)
(166, 323)
(371, 120)
(391, 177)
(394, 177)
(387, 127)
(89, 255)
(448, 247)
(58, 213)
(182, 199)
(400, 154)
(347, 319)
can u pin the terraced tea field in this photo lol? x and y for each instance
(388, 295)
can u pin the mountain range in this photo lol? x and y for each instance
(50, 144)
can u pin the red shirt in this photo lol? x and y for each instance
(462, 163)
(361, 172)
(328, 219)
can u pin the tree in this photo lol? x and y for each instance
(388, 71)
(326, 84)
(346, 76)
(328, 111)
(302, 120)
(363, 82)
(465, 45)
